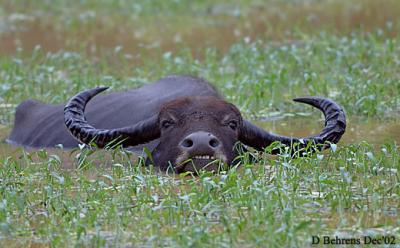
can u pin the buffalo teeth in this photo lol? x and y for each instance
(204, 157)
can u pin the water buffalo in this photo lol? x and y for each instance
(181, 119)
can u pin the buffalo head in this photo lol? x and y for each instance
(198, 132)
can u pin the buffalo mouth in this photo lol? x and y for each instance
(204, 157)
(204, 162)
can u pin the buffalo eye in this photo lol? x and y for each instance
(167, 123)
(233, 125)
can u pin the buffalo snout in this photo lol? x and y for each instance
(200, 142)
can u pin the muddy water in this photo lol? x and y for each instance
(219, 26)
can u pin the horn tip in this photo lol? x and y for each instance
(306, 99)
(102, 88)
(97, 90)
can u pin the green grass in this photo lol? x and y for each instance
(107, 198)
(276, 202)
(359, 71)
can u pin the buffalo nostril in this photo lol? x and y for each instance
(187, 143)
(214, 142)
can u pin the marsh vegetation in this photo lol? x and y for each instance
(260, 55)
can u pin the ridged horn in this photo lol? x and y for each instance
(74, 118)
(335, 126)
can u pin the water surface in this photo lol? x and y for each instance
(215, 25)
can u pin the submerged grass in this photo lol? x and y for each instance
(347, 51)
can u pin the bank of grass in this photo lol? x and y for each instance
(107, 198)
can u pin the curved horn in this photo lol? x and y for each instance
(335, 126)
(76, 123)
